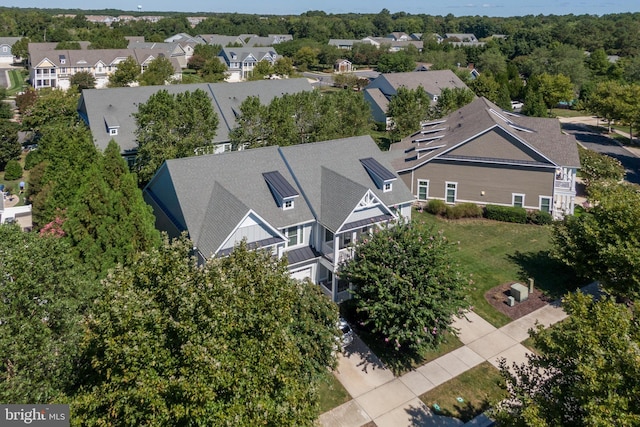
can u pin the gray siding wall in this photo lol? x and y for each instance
(497, 143)
(497, 182)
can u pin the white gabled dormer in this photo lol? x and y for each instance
(282, 191)
(382, 177)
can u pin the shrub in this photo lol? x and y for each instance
(32, 159)
(506, 213)
(13, 170)
(436, 207)
(464, 210)
(539, 217)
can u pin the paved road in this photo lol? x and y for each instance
(602, 144)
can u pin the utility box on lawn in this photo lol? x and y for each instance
(519, 292)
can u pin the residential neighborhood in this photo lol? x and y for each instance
(319, 219)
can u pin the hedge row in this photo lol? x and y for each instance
(494, 212)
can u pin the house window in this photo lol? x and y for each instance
(387, 187)
(288, 204)
(423, 189)
(545, 204)
(517, 200)
(113, 131)
(328, 235)
(292, 235)
(452, 190)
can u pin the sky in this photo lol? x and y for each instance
(296, 7)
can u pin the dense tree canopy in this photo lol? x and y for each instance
(43, 296)
(604, 243)
(158, 72)
(407, 288)
(236, 342)
(172, 126)
(10, 147)
(585, 371)
(126, 73)
(302, 117)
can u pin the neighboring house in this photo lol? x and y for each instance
(399, 36)
(463, 39)
(481, 154)
(109, 112)
(195, 20)
(386, 86)
(173, 50)
(221, 40)
(253, 40)
(53, 68)
(240, 61)
(10, 214)
(342, 66)
(306, 202)
(6, 43)
(393, 45)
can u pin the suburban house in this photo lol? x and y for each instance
(384, 87)
(109, 112)
(392, 44)
(170, 50)
(254, 40)
(463, 39)
(11, 214)
(240, 61)
(305, 202)
(53, 68)
(483, 155)
(221, 40)
(6, 43)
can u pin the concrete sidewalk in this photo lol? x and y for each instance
(391, 401)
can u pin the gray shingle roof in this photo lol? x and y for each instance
(214, 193)
(121, 103)
(431, 81)
(323, 167)
(543, 135)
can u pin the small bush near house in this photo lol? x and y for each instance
(506, 213)
(464, 210)
(13, 170)
(436, 207)
(539, 217)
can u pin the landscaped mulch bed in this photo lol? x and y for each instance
(497, 297)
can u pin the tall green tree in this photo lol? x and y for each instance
(171, 127)
(157, 73)
(407, 287)
(108, 221)
(451, 99)
(44, 295)
(407, 108)
(126, 73)
(235, 342)
(10, 147)
(396, 62)
(585, 371)
(554, 88)
(52, 106)
(604, 243)
(253, 128)
(214, 70)
(83, 80)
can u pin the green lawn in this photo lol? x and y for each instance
(331, 393)
(565, 112)
(479, 388)
(17, 79)
(494, 253)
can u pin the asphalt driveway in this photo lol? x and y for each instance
(605, 145)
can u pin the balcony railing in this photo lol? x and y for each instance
(563, 184)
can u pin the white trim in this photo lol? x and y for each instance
(420, 183)
(370, 199)
(262, 220)
(513, 199)
(550, 199)
(446, 192)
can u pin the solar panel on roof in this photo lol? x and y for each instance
(374, 167)
(279, 184)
